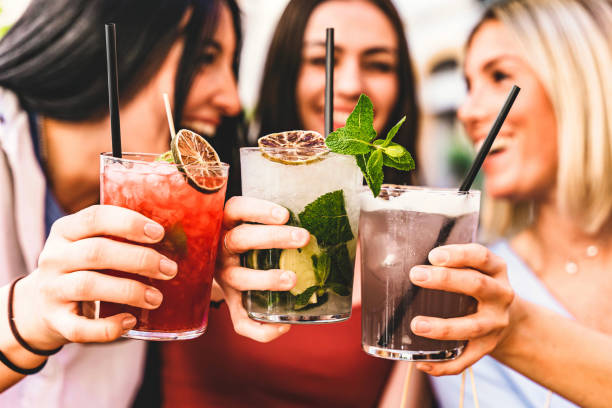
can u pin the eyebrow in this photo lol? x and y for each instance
(369, 51)
(497, 59)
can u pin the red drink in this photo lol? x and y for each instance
(192, 221)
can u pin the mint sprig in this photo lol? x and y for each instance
(358, 138)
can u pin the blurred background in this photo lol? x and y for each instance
(436, 31)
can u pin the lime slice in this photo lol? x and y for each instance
(300, 262)
(200, 162)
(293, 147)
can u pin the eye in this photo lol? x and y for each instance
(379, 66)
(499, 76)
(209, 55)
(319, 61)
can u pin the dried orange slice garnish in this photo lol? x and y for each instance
(293, 147)
(199, 161)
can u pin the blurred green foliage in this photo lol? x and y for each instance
(3, 29)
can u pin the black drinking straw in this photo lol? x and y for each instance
(113, 86)
(329, 81)
(486, 146)
(396, 318)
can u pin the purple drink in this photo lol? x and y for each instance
(396, 231)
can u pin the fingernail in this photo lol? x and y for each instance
(421, 326)
(438, 256)
(298, 235)
(153, 231)
(424, 367)
(283, 329)
(128, 322)
(286, 278)
(419, 274)
(279, 213)
(153, 297)
(168, 267)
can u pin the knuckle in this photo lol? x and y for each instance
(89, 216)
(481, 254)
(110, 332)
(145, 259)
(83, 285)
(508, 295)
(132, 291)
(479, 283)
(444, 275)
(91, 251)
(73, 334)
(444, 330)
(477, 328)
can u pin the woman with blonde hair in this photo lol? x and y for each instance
(549, 186)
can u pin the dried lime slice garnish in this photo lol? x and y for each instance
(293, 147)
(198, 160)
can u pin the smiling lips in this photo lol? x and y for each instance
(202, 127)
(500, 143)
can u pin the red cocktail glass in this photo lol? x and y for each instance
(192, 222)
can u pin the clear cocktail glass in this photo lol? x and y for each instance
(397, 230)
(322, 194)
(191, 219)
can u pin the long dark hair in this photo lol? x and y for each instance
(53, 58)
(277, 105)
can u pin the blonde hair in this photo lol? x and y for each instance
(568, 43)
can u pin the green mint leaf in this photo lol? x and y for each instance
(374, 168)
(344, 142)
(393, 131)
(326, 219)
(341, 267)
(404, 162)
(167, 157)
(322, 267)
(360, 121)
(362, 161)
(301, 300)
(395, 150)
(339, 289)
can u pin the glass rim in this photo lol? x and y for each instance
(284, 149)
(435, 190)
(109, 156)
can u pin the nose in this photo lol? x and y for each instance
(348, 81)
(226, 98)
(473, 109)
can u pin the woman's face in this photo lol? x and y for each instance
(522, 163)
(213, 93)
(366, 61)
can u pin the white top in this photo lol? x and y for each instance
(496, 384)
(94, 375)
(432, 201)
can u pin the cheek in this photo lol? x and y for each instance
(309, 96)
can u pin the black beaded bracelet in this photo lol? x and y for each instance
(20, 340)
(19, 370)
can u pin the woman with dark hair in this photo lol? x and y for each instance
(377, 64)
(53, 125)
(320, 365)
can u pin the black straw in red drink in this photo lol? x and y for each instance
(113, 86)
(329, 81)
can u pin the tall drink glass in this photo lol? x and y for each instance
(322, 196)
(397, 230)
(192, 222)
